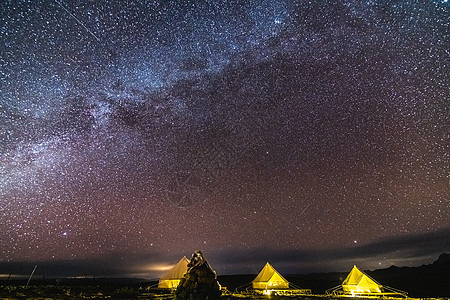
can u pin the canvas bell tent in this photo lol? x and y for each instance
(269, 278)
(270, 282)
(359, 284)
(172, 278)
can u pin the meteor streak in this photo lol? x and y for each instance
(76, 19)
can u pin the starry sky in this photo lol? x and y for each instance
(311, 134)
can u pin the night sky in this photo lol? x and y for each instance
(310, 134)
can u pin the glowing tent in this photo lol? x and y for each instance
(358, 282)
(172, 278)
(269, 278)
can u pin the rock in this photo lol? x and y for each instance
(200, 281)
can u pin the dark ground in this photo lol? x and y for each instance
(428, 281)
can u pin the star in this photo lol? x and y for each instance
(146, 130)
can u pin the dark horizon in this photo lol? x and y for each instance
(407, 251)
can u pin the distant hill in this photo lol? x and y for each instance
(425, 281)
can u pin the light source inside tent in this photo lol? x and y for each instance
(267, 292)
(357, 283)
(269, 278)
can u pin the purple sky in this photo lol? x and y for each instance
(311, 135)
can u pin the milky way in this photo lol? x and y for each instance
(141, 131)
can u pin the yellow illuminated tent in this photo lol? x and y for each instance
(172, 278)
(359, 284)
(269, 278)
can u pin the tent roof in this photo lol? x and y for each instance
(267, 273)
(356, 277)
(177, 271)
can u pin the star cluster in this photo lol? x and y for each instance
(152, 128)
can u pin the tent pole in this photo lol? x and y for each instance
(31, 275)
